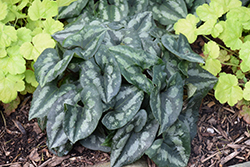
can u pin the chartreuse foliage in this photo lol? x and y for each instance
(115, 82)
(233, 30)
(26, 27)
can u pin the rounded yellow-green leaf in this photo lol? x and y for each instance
(14, 63)
(206, 28)
(246, 91)
(223, 56)
(9, 85)
(31, 51)
(30, 78)
(23, 35)
(213, 66)
(3, 52)
(51, 26)
(245, 56)
(212, 49)
(8, 34)
(212, 11)
(3, 11)
(187, 27)
(228, 90)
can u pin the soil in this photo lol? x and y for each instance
(222, 139)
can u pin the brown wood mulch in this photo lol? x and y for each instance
(223, 139)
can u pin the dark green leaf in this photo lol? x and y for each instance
(167, 105)
(131, 141)
(181, 48)
(142, 23)
(79, 122)
(128, 102)
(87, 40)
(169, 12)
(137, 6)
(105, 76)
(44, 98)
(95, 141)
(73, 27)
(55, 132)
(174, 149)
(200, 78)
(49, 65)
(72, 10)
(113, 10)
(62, 149)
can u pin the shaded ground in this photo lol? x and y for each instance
(223, 139)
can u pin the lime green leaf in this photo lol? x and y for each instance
(240, 74)
(227, 89)
(61, 3)
(187, 27)
(23, 35)
(223, 56)
(30, 78)
(227, 4)
(9, 85)
(44, 9)
(207, 27)
(22, 4)
(216, 30)
(212, 49)
(241, 14)
(213, 66)
(3, 52)
(32, 50)
(14, 63)
(3, 11)
(246, 92)
(212, 11)
(231, 34)
(245, 56)
(8, 34)
(11, 2)
(51, 26)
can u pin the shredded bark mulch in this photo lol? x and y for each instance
(222, 139)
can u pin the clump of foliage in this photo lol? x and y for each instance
(228, 21)
(26, 27)
(120, 83)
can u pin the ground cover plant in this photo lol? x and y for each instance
(119, 81)
(26, 27)
(229, 22)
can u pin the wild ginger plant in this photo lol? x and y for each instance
(115, 82)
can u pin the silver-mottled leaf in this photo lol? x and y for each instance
(49, 65)
(142, 23)
(201, 79)
(167, 105)
(62, 149)
(128, 102)
(79, 122)
(87, 39)
(45, 97)
(73, 27)
(174, 149)
(105, 75)
(131, 141)
(113, 38)
(137, 6)
(114, 10)
(181, 48)
(72, 10)
(95, 140)
(55, 132)
(169, 12)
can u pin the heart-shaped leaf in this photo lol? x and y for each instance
(48, 66)
(131, 141)
(79, 122)
(127, 104)
(174, 149)
(166, 105)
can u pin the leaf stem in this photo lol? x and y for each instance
(230, 64)
(221, 46)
